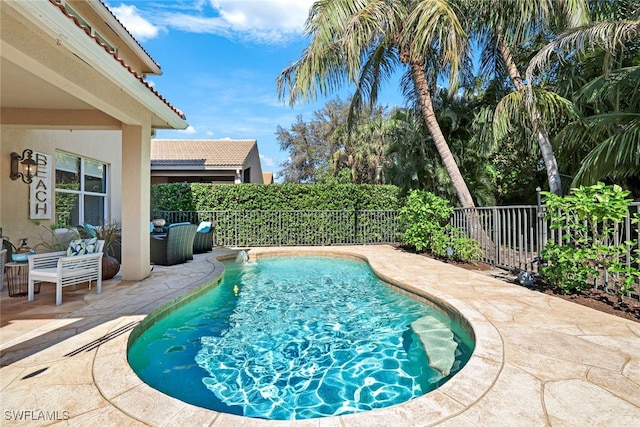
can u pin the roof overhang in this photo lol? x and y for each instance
(195, 168)
(122, 32)
(50, 22)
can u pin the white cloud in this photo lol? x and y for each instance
(264, 15)
(132, 20)
(190, 130)
(261, 21)
(267, 161)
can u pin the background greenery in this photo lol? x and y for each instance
(223, 197)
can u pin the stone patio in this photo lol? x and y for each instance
(539, 360)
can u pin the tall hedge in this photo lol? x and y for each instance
(206, 197)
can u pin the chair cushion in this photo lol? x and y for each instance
(204, 227)
(82, 246)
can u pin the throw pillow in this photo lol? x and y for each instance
(82, 246)
(204, 227)
(91, 230)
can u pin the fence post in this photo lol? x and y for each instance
(496, 236)
(542, 232)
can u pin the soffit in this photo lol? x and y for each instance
(21, 89)
(26, 90)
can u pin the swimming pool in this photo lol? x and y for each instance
(297, 338)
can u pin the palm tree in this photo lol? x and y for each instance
(501, 26)
(609, 100)
(364, 42)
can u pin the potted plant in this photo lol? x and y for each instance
(55, 237)
(109, 231)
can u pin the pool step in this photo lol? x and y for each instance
(437, 339)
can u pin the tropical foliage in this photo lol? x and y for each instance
(424, 226)
(572, 119)
(364, 43)
(588, 220)
(597, 68)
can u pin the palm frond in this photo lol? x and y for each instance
(435, 27)
(608, 35)
(624, 81)
(617, 156)
(509, 115)
(380, 64)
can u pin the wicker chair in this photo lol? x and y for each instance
(203, 241)
(3, 254)
(176, 246)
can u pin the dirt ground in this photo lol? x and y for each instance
(597, 299)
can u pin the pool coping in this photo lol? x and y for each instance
(138, 400)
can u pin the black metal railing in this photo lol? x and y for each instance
(294, 228)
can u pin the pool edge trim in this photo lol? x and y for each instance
(451, 399)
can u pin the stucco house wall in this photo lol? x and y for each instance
(253, 162)
(62, 88)
(15, 203)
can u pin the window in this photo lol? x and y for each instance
(81, 190)
(247, 175)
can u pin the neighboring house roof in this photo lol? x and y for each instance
(267, 177)
(200, 153)
(115, 56)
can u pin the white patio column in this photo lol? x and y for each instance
(136, 187)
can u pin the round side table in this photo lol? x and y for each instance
(18, 279)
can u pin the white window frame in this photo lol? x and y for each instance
(82, 192)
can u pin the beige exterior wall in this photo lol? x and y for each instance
(253, 162)
(62, 91)
(104, 146)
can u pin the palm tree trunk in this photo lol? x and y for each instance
(550, 162)
(428, 113)
(464, 196)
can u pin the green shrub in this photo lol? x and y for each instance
(424, 226)
(345, 201)
(208, 197)
(466, 249)
(588, 218)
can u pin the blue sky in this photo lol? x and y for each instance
(220, 60)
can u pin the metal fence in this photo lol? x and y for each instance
(295, 228)
(517, 234)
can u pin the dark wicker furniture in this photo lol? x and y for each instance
(204, 239)
(175, 247)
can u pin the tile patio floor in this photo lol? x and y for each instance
(539, 360)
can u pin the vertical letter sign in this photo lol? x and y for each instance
(40, 194)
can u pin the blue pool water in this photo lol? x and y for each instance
(299, 338)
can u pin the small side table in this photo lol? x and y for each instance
(18, 279)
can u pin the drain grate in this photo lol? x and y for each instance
(98, 342)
